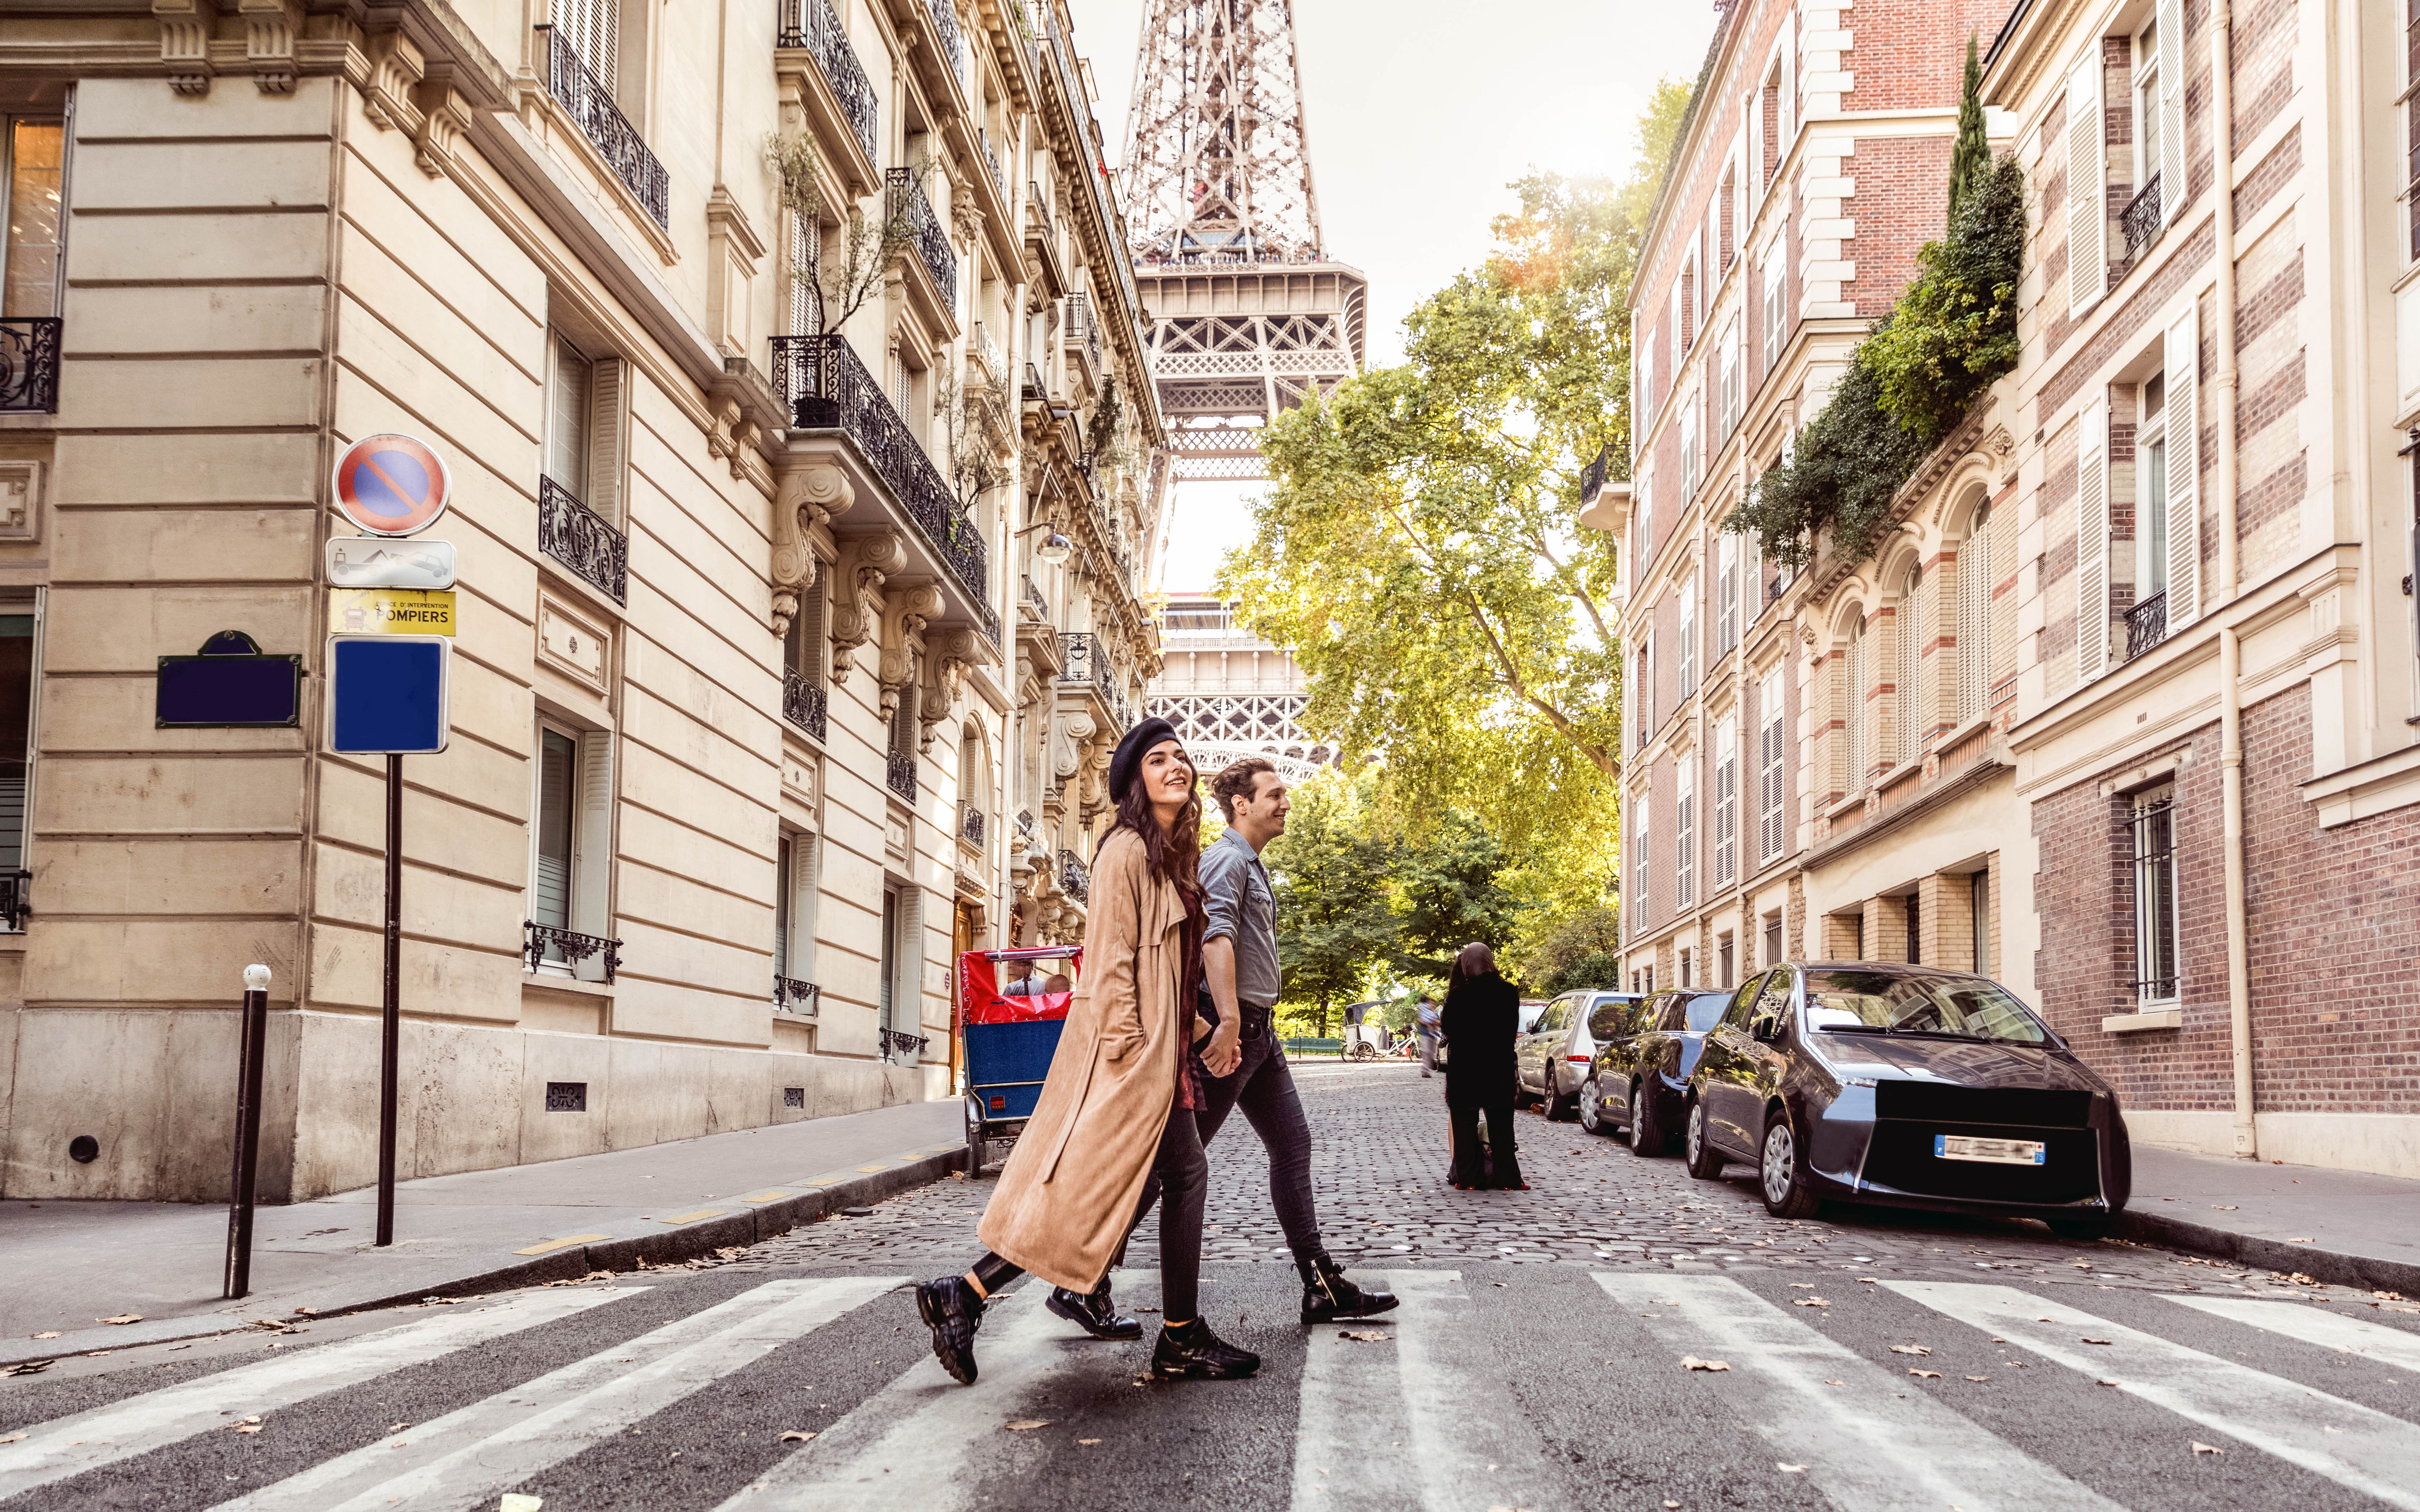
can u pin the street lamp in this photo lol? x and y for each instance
(1054, 547)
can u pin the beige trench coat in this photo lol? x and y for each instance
(1076, 1175)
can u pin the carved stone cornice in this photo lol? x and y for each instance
(865, 564)
(805, 498)
(268, 29)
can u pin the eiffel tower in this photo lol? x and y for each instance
(1249, 316)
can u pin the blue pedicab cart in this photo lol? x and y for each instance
(1011, 1028)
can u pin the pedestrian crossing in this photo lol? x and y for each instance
(1414, 1410)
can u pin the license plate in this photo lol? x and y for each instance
(1995, 1151)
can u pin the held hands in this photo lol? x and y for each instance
(1223, 1053)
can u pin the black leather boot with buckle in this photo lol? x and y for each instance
(1189, 1351)
(1328, 1297)
(1094, 1314)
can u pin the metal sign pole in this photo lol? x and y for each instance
(391, 1021)
(247, 1132)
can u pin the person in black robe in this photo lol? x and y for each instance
(1480, 1019)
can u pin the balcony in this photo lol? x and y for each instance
(898, 1042)
(591, 107)
(825, 387)
(2147, 624)
(813, 26)
(908, 201)
(578, 538)
(803, 704)
(971, 825)
(1074, 880)
(544, 944)
(1083, 334)
(1042, 243)
(1593, 477)
(29, 364)
(791, 995)
(991, 160)
(2140, 221)
(15, 906)
(899, 774)
(954, 45)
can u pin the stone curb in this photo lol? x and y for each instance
(670, 1247)
(2331, 1266)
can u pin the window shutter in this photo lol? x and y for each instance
(591, 26)
(2092, 541)
(1685, 833)
(1854, 772)
(2088, 210)
(785, 861)
(607, 428)
(2184, 471)
(1973, 622)
(1788, 86)
(1907, 659)
(1726, 802)
(567, 417)
(550, 891)
(910, 995)
(2172, 125)
(1688, 635)
(1768, 707)
(1727, 590)
(805, 879)
(592, 860)
(815, 643)
(806, 294)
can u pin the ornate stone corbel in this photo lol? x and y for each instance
(396, 68)
(805, 497)
(268, 29)
(2002, 450)
(445, 116)
(1092, 789)
(185, 42)
(865, 563)
(947, 655)
(1067, 742)
(905, 614)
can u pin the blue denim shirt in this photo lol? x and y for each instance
(1242, 908)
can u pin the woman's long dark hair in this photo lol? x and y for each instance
(1470, 963)
(1173, 854)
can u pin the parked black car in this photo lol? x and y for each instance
(1640, 1080)
(1906, 1085)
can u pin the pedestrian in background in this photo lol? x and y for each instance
(1117, 1107)
(1482, 1018)
(1424, 1023)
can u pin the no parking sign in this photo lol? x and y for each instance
(391, 484)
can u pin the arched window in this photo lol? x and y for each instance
(1908, 674)
(1853, 716)
(1975, 618)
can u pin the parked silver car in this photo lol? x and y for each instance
(1551, 1060)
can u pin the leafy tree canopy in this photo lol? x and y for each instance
(1452, 887)
(1336, 917)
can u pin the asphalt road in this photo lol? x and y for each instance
(1871, 1362)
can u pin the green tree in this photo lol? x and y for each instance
(1335, 918)
(1970, 159)
(1453, 889)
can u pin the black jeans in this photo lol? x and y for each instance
(1184, 1172)
(1472, 1161)
(1263, 1087)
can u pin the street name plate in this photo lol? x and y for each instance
(385, 562)
(391, 611)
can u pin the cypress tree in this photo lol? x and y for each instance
(1970, 159)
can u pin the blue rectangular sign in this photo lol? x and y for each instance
(387, 694)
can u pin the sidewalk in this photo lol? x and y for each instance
(70, 1264)
(2345, 1227)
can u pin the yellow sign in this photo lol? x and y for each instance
(391, 610)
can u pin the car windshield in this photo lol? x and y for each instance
(1906, 1002)
(1706, 1011)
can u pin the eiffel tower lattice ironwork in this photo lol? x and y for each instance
(1250, 315)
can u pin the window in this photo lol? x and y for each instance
(1639, 907)
(2092, 540)
(1726, 801)
(30, 261)
(806, 277)
(793, 908)
(1772, 938)
(1726, 394)
(2151, 494)
(593, 27)
(1688, 635)
(2087, 212)
(1909, 673)
(1979, 899)
(1723, 962)
(2411, 118)
(1777, 301)
(1723, 230)
(1975, 618)
(1771, 774)
(571, 844)
(17, 661)
(2155, 897)
(1914, 924)
(1726, 592)
(1853, 735)
(806, 648)
(902, 1006)
(1684, 835)
(585, 410)
(2146, 104)
(1689, 449)
(1688, 977)
(1645, 691)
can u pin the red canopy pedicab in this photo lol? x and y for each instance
(1011, 1007)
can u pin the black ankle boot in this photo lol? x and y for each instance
(1189, 1351)
(953, 1312)
(1094, 1314)
(1327, 1296)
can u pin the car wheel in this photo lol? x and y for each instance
(1552, 1104)
(1647, 1136)
(1782, 1174)
(2097, 1226)
(1705, 1162)
(1591, 1116)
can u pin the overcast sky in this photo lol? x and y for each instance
(1419, 112)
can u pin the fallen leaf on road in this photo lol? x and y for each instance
(2304, 1240)
(1870, 1281)
(1088, 1440)
(2108, 1380)
(397, 1427)
(1808, 1302)
(1833, 1384)
(1669, 1505)
(27, 1368)
(11, 1438)
(1690, 1362)
(2095, 1341)
(2208, 1449)
(796, 1436)
(1369, 1336)
(517, 1502)
(2222, 1207)
(1979, 1377)
(51, 1335)
(1927, 1375)
(308, 1312)
(1802, 1285)
(247, 1427)
(1027, 1425)
(1789, 1470)
(121, 1317)
(1909, 1349)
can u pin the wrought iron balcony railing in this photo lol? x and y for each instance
(1076, 648)
(908, 200)
(803, 704)
(791, 995)
(988, 352)
(1034, 601)
(900, 775)
(1084, 332)
(15, 905)
(813, 25)
(826, 388)
(568, 947)
(29, 364)
(1593, 477)
(2140, 220)
(1039, 207)
(971, 825)
(579, 537)
(591, 106)
(991, 157)
(896, 1043)
(1074, 880)
(2147, 624)
(953, 45)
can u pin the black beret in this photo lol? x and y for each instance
(1127, 759)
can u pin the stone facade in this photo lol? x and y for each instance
(759, 673)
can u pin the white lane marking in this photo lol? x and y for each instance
(141, 1423)
(916, 1443)
(2304, 1321)
(1413, 1389)
(2348, 1442)
(1870, 1443)
(465, 1457)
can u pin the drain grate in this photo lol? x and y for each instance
(567, 1097)
(794, 1097)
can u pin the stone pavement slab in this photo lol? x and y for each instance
(71, 1264)
(2346, 1227)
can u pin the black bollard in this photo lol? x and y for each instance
(253, 1055)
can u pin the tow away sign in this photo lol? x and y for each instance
(391, 611)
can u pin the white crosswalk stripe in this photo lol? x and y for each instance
(2313, 1323)
(1867, 1443)
(1356, 1393)
(2347, 1443)
(71, 1445)
(467, 1457)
